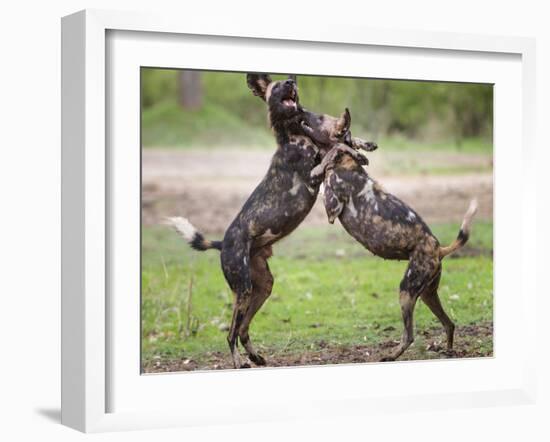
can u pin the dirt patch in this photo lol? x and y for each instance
(471, 341)
(210, 186)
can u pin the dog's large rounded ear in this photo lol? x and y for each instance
(344, 122)
(258, 84)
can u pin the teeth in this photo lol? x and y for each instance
(289, 102)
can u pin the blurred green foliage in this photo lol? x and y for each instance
(430, 112)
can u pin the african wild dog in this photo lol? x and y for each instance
(388, 228)
(274, 209)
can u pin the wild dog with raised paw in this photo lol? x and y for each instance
(275, 208)
(389, 228)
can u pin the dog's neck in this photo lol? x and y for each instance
(284, 128)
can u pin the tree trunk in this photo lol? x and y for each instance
(190, 89)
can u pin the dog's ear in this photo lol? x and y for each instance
(344, 122)
(258, 84)
(294, 78)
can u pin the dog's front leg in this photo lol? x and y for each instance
(359, 143)
(332, 156)
(328, 160)
(334, 196)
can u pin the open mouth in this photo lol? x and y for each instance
(290, 99)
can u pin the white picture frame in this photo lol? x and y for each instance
(89, 324)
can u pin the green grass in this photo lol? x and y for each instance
(168, 125)
(328, 290)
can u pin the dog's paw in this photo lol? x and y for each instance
(449, 353)
(387, 359)
(359, 143)
(257, 359)
(245, 365)
(370, 146)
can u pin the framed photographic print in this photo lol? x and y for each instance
(275, 210)
(323, 304)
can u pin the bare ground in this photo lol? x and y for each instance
(210, 186)
(470, 342)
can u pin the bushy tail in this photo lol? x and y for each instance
(188, 232)
(463, 234)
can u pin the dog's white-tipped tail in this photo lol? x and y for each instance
(464, 232)
(182, 226)
(188, 232)
(467, 221)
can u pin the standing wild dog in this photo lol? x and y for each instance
(274, 209)
(388, 228)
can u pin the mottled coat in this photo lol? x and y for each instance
(275, 208)
(389, 228)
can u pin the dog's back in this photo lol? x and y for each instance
(383, 223)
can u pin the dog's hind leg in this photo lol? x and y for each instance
(238, 314)
(262, 284)
(407, 302)
(434, 303)
(421, 276)
(431, 299)
(235, 258)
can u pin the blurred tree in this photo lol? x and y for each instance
(190, 89)
(183, 103)
(470, 104)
